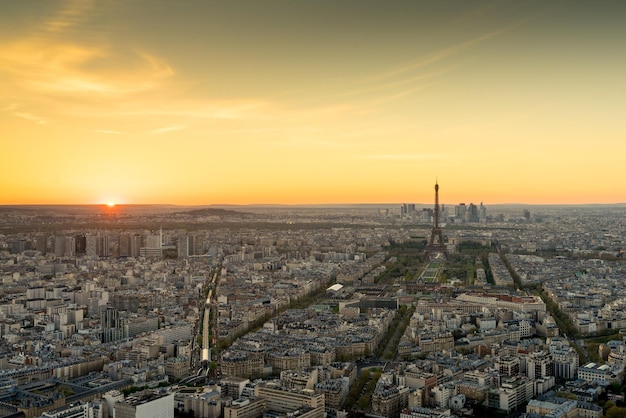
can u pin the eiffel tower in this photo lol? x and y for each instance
(436, 244)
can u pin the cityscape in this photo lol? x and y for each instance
(312, 209)
(393, 311)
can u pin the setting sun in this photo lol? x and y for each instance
(111, 204)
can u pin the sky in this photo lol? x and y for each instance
(199, 102)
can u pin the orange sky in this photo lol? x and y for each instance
(202, 102)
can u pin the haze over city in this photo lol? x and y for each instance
(282, 102)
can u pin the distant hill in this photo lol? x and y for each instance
(213, 212)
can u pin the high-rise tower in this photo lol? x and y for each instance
(436, 244)
(113, 326)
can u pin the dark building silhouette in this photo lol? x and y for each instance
(80, 241)
(42, 244)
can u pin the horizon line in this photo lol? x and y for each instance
(308, 204)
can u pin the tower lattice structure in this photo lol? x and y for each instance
(436, 244)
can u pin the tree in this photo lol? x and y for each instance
(363, 402)
(615, 412)
(608, 405)
(566, 395)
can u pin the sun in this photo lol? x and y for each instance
(111, 204)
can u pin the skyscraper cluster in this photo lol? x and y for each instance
(460, 213)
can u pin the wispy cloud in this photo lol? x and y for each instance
(401, 157)
(438, 55)
(38, 120)
(108, 132)
(10, 107)
(408, 79)
(14, 109)
(194, 109)
(62, 68)
(402, 93)
(398, 83)
(67, 56)
(71, 14)
(167, 129)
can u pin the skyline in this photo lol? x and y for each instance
(209, 103)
